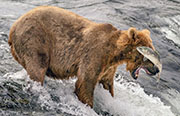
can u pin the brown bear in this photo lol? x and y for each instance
(55, 42)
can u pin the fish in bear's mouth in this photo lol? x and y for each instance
(153, 58)
(149, 71)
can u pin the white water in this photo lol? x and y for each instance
(172, 32)
(129, 100)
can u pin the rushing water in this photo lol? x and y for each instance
(144, 97)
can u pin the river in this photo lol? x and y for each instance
(19, 96)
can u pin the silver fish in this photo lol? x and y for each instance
(153, 56)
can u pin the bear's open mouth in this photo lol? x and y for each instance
(135, 72)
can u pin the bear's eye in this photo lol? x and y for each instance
(136, 58)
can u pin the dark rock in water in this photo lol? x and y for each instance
(14, 98)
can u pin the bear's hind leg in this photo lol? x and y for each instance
(36, 66)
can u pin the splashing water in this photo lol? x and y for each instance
(57, 97)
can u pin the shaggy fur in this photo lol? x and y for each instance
(56, 42)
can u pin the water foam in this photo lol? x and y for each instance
(129, 100)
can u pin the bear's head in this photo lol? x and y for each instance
(128, 43)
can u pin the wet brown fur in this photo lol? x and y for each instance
(53, 41)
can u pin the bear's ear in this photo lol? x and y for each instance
(146, 31)
(132, 33)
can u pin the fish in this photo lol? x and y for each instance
(151, 55)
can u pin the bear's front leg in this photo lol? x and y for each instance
(84, 91)
(85, 85)
(107, 79)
